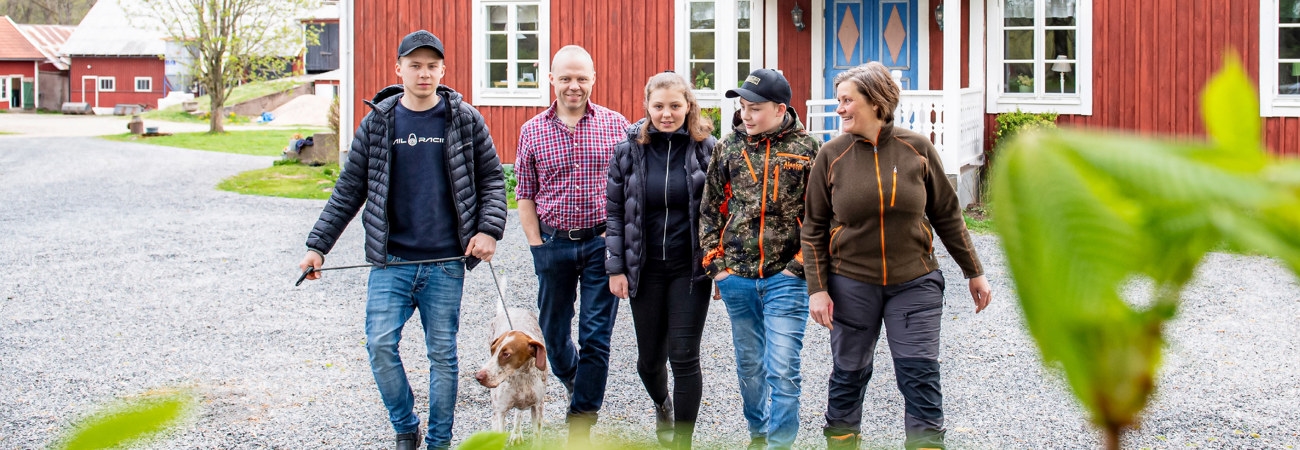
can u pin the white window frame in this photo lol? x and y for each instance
(725, 43)
(4, 88)
(112, 84)
(1271, 102)
(148, 80)
(484, 94)
(1078, 103)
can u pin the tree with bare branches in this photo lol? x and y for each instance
(45, 12)
(231, 41)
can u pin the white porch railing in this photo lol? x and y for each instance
(924, 113)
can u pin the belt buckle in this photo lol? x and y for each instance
(571, 235)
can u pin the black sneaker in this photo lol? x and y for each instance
(408, 441)
(758, 443)
(664, 422)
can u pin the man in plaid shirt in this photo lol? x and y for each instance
(561, 166)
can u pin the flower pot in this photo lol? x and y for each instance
(1024, 88)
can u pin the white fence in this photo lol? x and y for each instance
(924, 113)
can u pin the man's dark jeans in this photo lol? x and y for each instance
(564, 269)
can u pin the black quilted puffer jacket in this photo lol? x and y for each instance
(474, 170)
(625, 200)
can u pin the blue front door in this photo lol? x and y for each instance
(860, 31)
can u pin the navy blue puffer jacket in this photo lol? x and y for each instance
(625, 200)
(472, 164)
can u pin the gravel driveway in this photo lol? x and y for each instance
(123, 270)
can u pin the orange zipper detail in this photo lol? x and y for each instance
(752, 174)
(893, 191)
(792, 155)
(880, 189)
(762, 215)
(777, 183)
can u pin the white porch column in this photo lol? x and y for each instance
(347, 85)
(952, 35)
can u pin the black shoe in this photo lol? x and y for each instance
(580, 430)
(664, 422)
(568, 390)
(408, 441)
(758, 443)
(842, 442)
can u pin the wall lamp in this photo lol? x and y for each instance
(797, 15)
(938, 15)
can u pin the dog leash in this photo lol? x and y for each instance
(400, 263)
(501, 295)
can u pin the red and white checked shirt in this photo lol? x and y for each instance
(565, 171)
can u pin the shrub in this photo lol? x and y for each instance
(1009, 124)
(715, 115)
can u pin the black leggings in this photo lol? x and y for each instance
(668, 313)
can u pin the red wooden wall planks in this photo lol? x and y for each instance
(1151, 59)
(123, 71)
(629, 41)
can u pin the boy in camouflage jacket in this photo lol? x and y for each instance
(749, 229)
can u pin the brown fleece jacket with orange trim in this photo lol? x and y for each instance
(871, 208)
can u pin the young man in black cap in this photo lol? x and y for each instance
(424, 166)
(749, 229)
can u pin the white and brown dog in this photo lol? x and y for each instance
(516, 371)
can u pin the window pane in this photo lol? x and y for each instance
(1060, 12)
(742, 15)
(497, 75)
(1288, 79)
(1059, 42)
(527, 18)
(1060, 77)
(702, 45)
(702, 75)
(497, 18)
(702, 15)
(527, 46)
(1019, 77)
(742, 70)
(1288, 11)
(527, 74)
(742, 45)
(1019, 13)
(1288, 42)
(1019, 44)
(497, 46)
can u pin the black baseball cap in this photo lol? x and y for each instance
(763, 85)
(419, 39)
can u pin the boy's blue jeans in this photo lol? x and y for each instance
(395, 293)
(768, 317)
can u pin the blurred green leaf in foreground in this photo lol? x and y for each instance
(1082, 215)
(129, 421)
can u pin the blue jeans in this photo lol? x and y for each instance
(565, 268)
(395, 293)
(768, 316)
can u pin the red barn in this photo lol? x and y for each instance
(19, 60)
(1129, 64)
(115, 61)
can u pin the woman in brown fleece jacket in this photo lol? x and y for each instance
(875, 198)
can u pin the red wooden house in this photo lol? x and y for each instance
(116, 61)
(1129, 64)
(52, 74)
(19, 60)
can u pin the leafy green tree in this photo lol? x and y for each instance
(1082, 215)
(232, 41)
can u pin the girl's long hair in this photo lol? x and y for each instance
(699, 128)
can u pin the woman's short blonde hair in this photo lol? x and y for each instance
(699, 128)
(873, 81)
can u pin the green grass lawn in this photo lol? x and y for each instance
(287, 179)
(252, 142)
(243, 93)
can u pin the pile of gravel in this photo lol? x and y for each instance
(125, 271)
